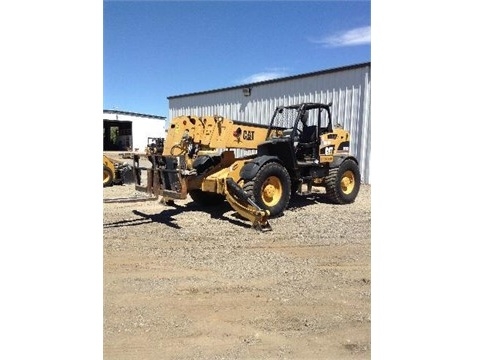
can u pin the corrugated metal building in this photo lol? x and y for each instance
(347, 88)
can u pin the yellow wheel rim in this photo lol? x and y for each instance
(347, 182)
(271, 191)
(106, 177)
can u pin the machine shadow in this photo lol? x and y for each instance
(298, 201)
(168, 217)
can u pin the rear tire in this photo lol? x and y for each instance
(271, 188)
(107, 176)
(343, 183)
(205, 198)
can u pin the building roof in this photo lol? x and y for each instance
(118, 112)
(327, 71)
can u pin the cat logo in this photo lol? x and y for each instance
(248, 135)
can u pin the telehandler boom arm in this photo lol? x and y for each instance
(212, 133)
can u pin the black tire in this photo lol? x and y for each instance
(107, 176)
(343, 183)
(270, 189)
(206, 198)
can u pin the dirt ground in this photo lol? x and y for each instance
(183, 282)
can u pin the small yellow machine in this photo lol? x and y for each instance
(114, 171)
(300, 146)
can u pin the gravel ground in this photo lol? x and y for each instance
(182, 282)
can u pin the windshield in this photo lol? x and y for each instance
(283, 121)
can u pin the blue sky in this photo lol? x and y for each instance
(152, 50)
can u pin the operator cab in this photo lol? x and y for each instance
(301, 127)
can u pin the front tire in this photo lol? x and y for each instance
(107, 176)
(271, 188)
(343, 183)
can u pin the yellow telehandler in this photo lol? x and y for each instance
(300, 146)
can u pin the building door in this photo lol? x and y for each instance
(117, 135)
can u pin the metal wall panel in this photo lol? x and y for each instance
(348, 90)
